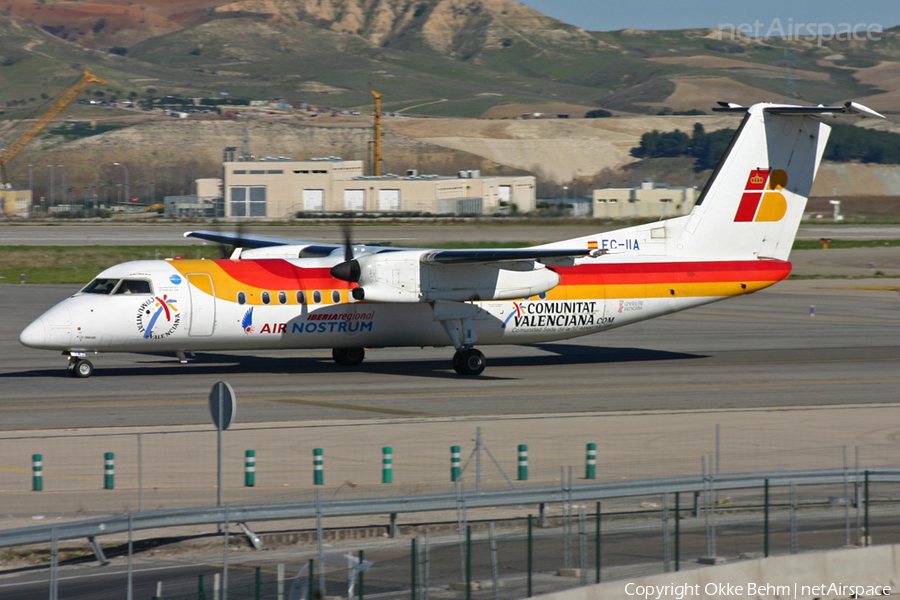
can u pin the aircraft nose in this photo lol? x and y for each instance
(35, 335)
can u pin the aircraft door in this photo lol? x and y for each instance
(203, 304)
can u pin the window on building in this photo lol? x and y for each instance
(248, 200)
(240, 172)
(275, 172)
(257, 172)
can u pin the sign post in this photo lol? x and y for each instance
(222, 406)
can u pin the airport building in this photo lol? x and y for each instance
(15, 202)
(649, 201)
(281, 188)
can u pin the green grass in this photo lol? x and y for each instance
(61, 264)
(837, 244)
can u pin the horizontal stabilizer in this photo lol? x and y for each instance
(848, 108)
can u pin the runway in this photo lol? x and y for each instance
(762, 350)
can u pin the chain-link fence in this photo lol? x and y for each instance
(484, 555)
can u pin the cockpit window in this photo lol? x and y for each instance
(100, 286)
(134, 286)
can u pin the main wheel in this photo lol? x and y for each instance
(469, 362)
(82, 368)
(349, 357)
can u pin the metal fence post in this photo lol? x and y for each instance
(667, 545)
(318, 474)
(360, 590)
(454, 463)
(597, 544)
(415, 567)
(312, 580)
(387, 465)
(250, 468)
(766, 519)
(201, 589)
(37, 473)
(677, 525)
(866, 532)
(109, 471)
(795, 541)
(523, 462)
(468, 562)
(590, 468)
(530, 555)
(258, 587)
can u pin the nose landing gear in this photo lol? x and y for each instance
(348, 357)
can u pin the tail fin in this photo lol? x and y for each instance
(754, 201)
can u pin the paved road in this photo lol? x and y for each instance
(108, 234)
(761, 350)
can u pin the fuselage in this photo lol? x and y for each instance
(197, 305)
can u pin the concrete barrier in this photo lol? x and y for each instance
(777, 577)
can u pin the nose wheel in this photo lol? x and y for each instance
(469, 361)
(79, 367)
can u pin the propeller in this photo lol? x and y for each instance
(349, 270)
(227, 250)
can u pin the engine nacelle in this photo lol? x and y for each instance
(401, 277)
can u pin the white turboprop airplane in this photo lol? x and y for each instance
(282, 294)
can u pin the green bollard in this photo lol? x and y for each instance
(318, 473)
(454, 463)
(37, 473)
(590, 467)
(523, 462)
(109, 471)
(250, 468)
(387, 466)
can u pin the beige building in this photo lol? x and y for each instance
(15, 202)
(649, 201)
(280, 188)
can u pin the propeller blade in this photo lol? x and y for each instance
(348, 243)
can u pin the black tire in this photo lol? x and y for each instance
(82, 369)
(471, 362)
(457, 361)
(349, 357)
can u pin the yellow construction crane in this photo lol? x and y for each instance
(45, 120)
(378, 132)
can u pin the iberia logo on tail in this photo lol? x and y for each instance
(761, 202)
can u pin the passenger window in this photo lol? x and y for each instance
(242, 298)
(282, 298)
(317, 297)
(335, 297)
(100, 286)
(266, 298)
(301, 297)
(134, 286)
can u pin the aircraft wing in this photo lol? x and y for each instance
(255, 241)
(459, 257)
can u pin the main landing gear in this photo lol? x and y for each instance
(80, 367)
(349, 357)
(468, 361)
